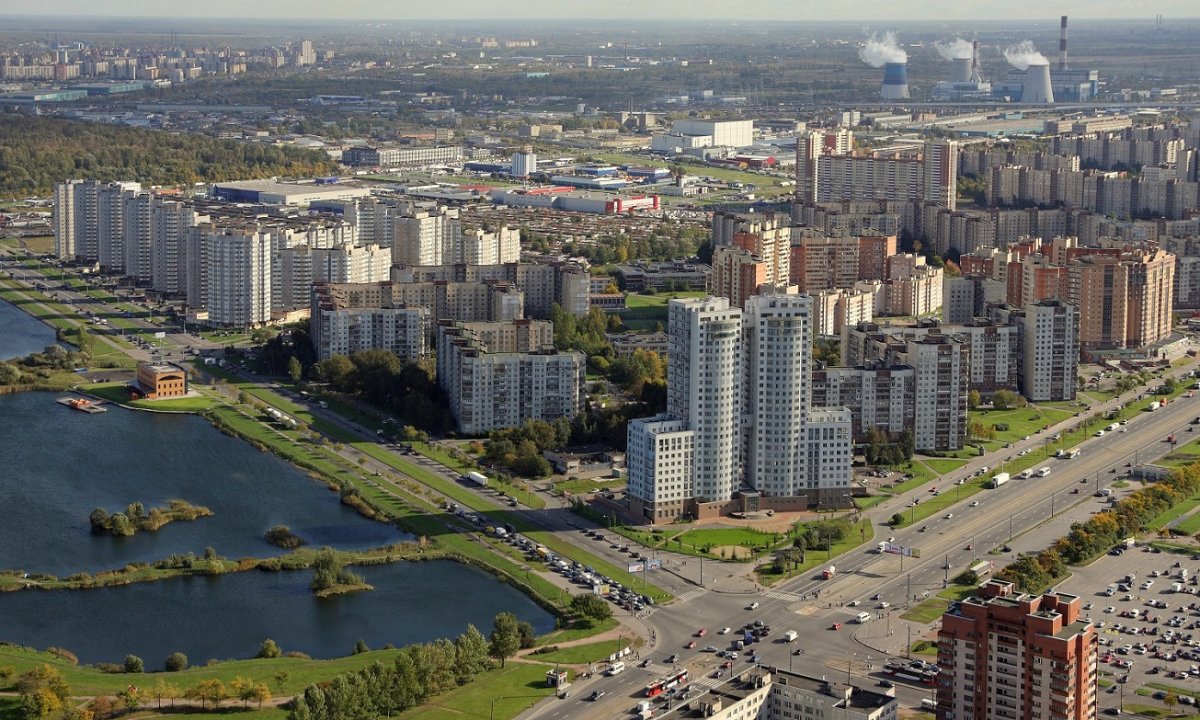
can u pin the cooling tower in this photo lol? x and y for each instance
(1037, 88)
(961, 72)
(895, 81)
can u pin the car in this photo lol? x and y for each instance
(724, 631)
(596, 695)
(1088, 606)
(701, 632)
(752, 606)
(691, 645)
(709, 648)
(948, 516)
(836, 626)
(974, 503)
(886, 684)
(876, 596)
(854, 603)
(884, 605)
(673, 659)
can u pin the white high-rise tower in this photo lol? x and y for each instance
(704, 389)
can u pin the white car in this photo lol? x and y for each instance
(948, 516)
(752, 606)
(974, 503)
(724, 631)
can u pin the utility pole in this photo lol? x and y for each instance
(1010, 528)
(908, 580)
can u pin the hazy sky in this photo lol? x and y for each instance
(866, 11)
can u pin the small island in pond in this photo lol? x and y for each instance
(330, 577)
(282, 536)
(135, 518)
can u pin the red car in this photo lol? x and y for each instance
(701, 632)
(836, 626)
(691, 645)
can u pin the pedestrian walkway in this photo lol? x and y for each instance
(690, 595)
(782, 595)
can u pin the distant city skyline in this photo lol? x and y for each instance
(865, 11)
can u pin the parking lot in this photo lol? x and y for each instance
(1146, 606)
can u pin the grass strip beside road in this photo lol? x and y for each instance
(817, 558)
(498, 694)
(579, 654)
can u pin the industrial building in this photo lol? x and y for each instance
(270, 192)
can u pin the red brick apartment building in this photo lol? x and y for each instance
(1005, 655)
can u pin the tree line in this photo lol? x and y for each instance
(1102, 531)
(417, 673)
(37, 152)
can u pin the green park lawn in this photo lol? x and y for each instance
(815, 558)
(1021, 421)
(646, 310)
(513, 689)
(579, 654)
(731, 536)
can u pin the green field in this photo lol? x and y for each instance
(943, 466)
(497, 695)
(1021, 421)
(1190, 526)
(816, 558)
(115, 393)
(758, 542)
(579, 654)
(645, 311)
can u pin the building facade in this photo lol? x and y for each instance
(1013, 656)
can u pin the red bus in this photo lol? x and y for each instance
(670, 682)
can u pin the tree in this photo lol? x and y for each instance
(163, 690)
(360, 647)
(294, 369)
(1007, 399)
(973, 399)
(176, 662)
(129, 698)
(259, 693)
(134, 664)
(591, 606)
(1170, 699)
(505, 638)
(269, 649)
(42, 691)
(470, 654)
(281, 679)
(897, 520)
(242, 689)
(211, 690)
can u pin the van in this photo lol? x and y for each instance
(1043, 472)
(928, 704)
(615, 669)
(862, 617)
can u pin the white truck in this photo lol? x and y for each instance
(1154, 406)
(790, 636)
(1067, 454)
(477, 478)
(999, 479)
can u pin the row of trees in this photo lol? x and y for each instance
(1088, 539)
(36, 152)
(418, 672)
(403, 387)
(38, 367)
(666, 242)
(883, 449)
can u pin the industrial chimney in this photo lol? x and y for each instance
(895, 81)
(1062, 43)
(1037, 88)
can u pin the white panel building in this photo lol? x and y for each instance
(724, 133)
(659, 458)
(238, 262)
(704, 388)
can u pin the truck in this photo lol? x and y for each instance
(1154, 406)
(477, 478)
(1067, 454)
(828, 572)
(790, 636)
(862, 617)
(999, 479)
(542, 551)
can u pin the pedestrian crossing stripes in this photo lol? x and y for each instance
(782, 595)
(708, 682)
(691, 595)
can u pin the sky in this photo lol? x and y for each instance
(847, 10)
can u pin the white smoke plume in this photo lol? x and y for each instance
(954, 50)
(1024, 54)
(882, 49)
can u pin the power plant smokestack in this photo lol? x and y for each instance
(976, 75)
(961, 72)
(1062, 43)
(895, 81)
(1037, 88)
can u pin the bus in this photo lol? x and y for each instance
(670, 682)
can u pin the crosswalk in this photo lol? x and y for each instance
(782, 595)
(690, 595)
(708, 682)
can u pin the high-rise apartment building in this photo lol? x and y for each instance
(822, 262)
(492, 390)
(940, 391)
(1125, 301)
(1012, 656)
(739, 431)
(825, 177)
(704, 388)
(239, 281)
(339, 329)
(1050, 350)
(736, 274)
